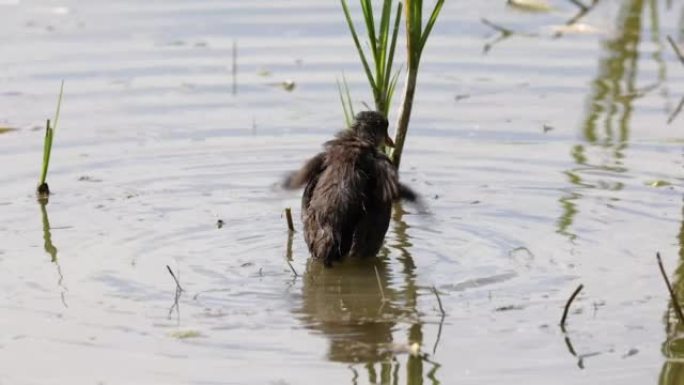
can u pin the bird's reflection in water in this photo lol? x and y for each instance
(345, 304)
(363, 307)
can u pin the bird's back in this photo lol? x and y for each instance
(336, 200)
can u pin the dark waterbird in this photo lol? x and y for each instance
(350, 188)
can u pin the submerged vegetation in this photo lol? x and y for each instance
(382, 45)
(43, 189)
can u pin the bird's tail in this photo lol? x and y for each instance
(328, 246)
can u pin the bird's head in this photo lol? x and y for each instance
(372, 126)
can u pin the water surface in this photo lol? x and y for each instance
(548, 157)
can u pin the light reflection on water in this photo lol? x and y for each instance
(536, 164)
(609, 104)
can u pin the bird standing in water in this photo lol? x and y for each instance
(350, 188)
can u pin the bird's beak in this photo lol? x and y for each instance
(388, 141)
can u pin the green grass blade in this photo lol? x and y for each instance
(367, 9)
(47, 143)
(349, 100)
(355, 37)
(393, 44)
(391, 87)
(345, 99)
(383, 72)
(59, 105)
(49, 148)
(430, 24)
(418, 19)
(342, 101)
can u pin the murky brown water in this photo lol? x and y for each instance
(157, 143)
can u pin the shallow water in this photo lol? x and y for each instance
(545, 163)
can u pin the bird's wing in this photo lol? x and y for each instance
(311, 169)
(406, 193)
(387, 185)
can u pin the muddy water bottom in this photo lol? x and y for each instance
(85, 291)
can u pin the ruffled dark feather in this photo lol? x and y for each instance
(350, 188)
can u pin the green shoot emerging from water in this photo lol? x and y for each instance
(43, 189)
(416, 37)
(382, 48)
(381, 44)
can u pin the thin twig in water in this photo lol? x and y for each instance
(504, 33)
(439, 301)
(176, 297)
(432, 374)
(579, 4)
(673, 296)
(288, 255)
(377, 276)
(288, 216)
(441, 320)
(675, 47)
(676, 111)
(580, 357)
(196, 296)
(571, 348)
(567, 306)
(355, 376)
(584, 10)
(178, 285)
(497, 27)
(176, 305)
(293, 269)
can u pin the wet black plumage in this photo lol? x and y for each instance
(349, 191)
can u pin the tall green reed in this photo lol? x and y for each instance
(416, 38)
(382, 47)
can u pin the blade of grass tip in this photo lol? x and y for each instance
(390, 57)
(349, 100)
(392, 86)
(430, 24)
(355, 37)
(344, 104)
(59, 105)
